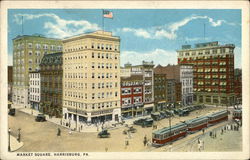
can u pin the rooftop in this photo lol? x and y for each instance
(204, 45)
(52, 59)
(34, 36)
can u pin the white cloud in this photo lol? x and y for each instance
(187, 39)
(58, 27)
(138, 32)
(159, 56)
(170, 31)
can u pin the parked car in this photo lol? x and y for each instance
(130, 129)
(40, 118)
(148, 122)
(104, 134)
(139, 121)
(12, 111)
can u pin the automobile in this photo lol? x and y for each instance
(139, 121)
(184, 112)
(40, 118)
(130, 129)
(148, 122)
(104, 134)
(12, 111)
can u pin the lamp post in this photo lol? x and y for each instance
(19, 135)
(9, 140)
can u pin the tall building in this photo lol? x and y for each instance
(132, 96)
(213, 71)
(146, 69)
(28, 51)
(183, 81)
(238, 85)
(91, 78)
(35, 90)
(51, 84)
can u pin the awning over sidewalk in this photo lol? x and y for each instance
(148, 105)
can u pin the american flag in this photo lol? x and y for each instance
(107, 14)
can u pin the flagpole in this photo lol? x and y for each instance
(102, 20)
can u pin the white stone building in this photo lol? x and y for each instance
(186, 78)
(34, 90)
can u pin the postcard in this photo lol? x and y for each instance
(125, 80)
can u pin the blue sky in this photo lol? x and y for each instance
(145, 34)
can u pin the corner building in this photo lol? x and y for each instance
(213, 72)
(91, 78)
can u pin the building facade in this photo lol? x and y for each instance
(28, 51)
(160, 91)
(10, 82)
(186, 78)
(51, 73)
(91, 80)
(146, 69)
(213, 72)
(132, 96)
(180, 83)
(238, 85)
(35, 90)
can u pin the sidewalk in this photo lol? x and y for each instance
(14, 144)
(81, 127)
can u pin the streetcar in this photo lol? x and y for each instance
(217, 117)
(169, 134)
(237, 114)
(197, 124)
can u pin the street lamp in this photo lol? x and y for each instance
(9, 141)
(19, 135)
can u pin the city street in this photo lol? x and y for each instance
(42, 136)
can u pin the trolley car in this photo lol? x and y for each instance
(197, 124)
(169, 134)
(237, 114)
(217, 117)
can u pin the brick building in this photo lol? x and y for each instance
(147, 72)
(51, 73)
(180, 77)
(160, 86)
(213, 71)
(132, 95)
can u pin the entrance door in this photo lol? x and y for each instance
(116, 117)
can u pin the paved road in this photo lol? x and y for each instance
(42, 136)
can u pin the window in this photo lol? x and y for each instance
(93, 55)
(98, 55)
(93, 95)
(93, 45)
(93, 64)
(93, 85)
(93, 75)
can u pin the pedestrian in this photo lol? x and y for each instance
(198, 140)
(58, 132)
(221, 131)
(145, 140)
(210, 134)
(81, 127)
(215, 135)
(203, 131)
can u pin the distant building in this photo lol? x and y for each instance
(181, 77)
(51, 84)
(28, 50)
(10, 82)
(238, 85)
(91, 81)
(35, 90)
(213, 72)
(132, 96)
(146, 70)
(160, 86)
